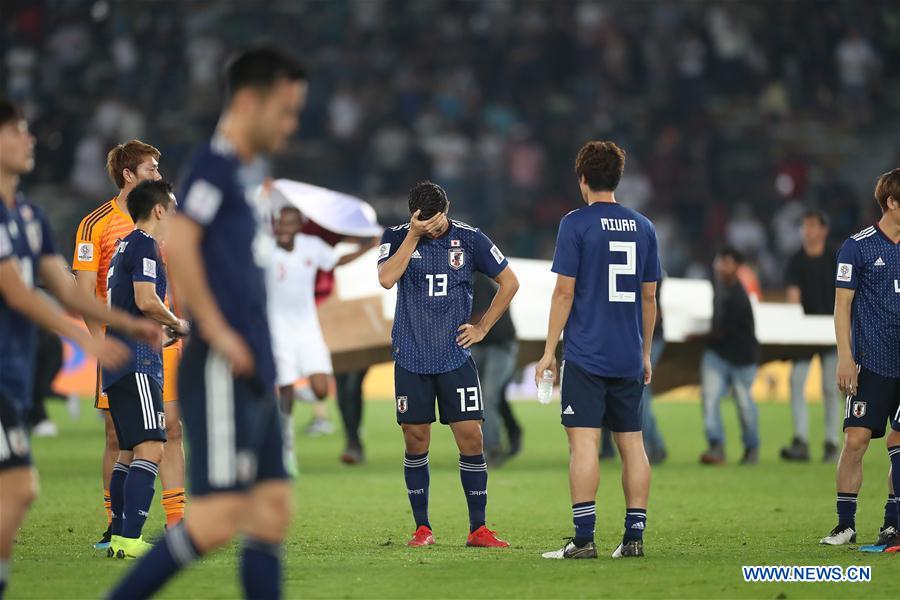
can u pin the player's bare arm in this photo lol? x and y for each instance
(189, 277)
(62, 285)
(648, 309)
(153, 308)
(847, 373)
(86, 283)
(391, 270)
(560, 307)
(34, 305)
(793, 294)
(363, 248)
(472, 334)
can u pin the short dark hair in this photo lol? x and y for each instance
(261, 67)
(601, 164)
(729, 251)
(888, 186)
(429, 198)
(145, 196)
(820, 215)
(9, 112)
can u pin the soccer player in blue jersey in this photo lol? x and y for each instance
(432, 261)
(26, 252)
(867, 327)
(136, 284)
(226, 382)
(607, 269)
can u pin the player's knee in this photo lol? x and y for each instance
(893, 438)
(417, 438)
(152, 451)
(320, 387)
(856, 442)
(174, 431)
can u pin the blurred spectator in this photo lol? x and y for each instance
(730, 362)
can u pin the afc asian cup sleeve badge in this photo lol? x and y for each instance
(402, 404)
(859, 409)
(457, 258)
(845, 272)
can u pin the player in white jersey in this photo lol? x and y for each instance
(298, 343)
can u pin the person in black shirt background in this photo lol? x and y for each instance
(495, 358)
(810, 282)
(730, 360)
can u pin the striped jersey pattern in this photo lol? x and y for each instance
(97, 236)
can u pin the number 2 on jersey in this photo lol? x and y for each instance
(437, 284)
(629, 248)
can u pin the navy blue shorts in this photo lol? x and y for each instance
(232, 425)
(136, 408)
(15, 449)
(458, 395)
(876, 403)
(590, 400)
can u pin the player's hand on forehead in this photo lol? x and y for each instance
(432, 226)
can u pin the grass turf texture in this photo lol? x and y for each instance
(352, 523)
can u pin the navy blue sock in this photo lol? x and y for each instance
(584, 516)
(117, 497)
(891, 517)
(894, 455)
(473, 474)
(635, 523)
(174, 552)
(418, 478)
(846, 509)
(138, 496)
(261, 570)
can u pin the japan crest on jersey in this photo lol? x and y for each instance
(402, 404)
(859, 409)
(457, 258)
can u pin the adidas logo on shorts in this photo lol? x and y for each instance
(569, 410)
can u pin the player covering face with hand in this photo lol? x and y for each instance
(432, 260)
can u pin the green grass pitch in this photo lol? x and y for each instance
(351, 524)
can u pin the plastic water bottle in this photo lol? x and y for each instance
(545, 387)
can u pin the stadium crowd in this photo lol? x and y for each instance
(729, 136)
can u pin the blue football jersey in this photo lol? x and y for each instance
(609, 250)
(215, 196)
(24, 234)
(434, 295)
(137, 258)
(869, 263)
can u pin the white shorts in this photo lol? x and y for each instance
(300, 351)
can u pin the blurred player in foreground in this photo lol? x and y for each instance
(866, 318)
(227, 375)
(26, 253)
(128, 165)
(300, 350)
(137, 284)
(607, 269)
(432, 260)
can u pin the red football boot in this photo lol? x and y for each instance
(485, 538)
(422, 537)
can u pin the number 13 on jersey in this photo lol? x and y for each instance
(437, 284)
